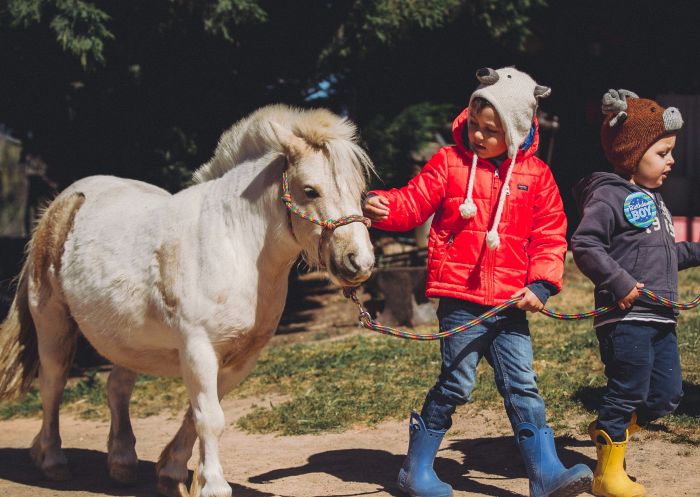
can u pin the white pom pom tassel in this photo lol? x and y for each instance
(468, 209)
(492, 239)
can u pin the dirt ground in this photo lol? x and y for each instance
(478, 457)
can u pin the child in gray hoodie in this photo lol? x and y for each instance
(626, 242)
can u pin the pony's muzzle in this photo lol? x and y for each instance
(351, 255)
(358, 266)
(351, 268)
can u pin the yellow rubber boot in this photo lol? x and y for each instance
(609, 477)
(632, 428)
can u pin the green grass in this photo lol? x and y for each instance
(332, 385)
(359, 380)
(87, 398)
(362, 380)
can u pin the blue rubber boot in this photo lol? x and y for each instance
(417, 476)
(548, 476)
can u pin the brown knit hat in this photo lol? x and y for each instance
(631, 126)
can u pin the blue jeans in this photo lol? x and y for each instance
(505, 341)
(643, 368)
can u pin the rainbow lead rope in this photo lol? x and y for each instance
(671, 303)
(602, 310)
(369, 323)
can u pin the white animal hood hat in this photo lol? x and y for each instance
(514, 95)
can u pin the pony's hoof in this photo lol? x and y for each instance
(58, 472)
(214, 490)
(124, 474)
(169, 487)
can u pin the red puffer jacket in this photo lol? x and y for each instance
(460, 264)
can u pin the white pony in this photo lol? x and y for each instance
(191, 284)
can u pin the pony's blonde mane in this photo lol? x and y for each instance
(253, 137)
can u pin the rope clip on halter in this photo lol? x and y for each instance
(365, 317)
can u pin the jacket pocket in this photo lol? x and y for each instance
(443, 259)
(518, 213)
(647, 261)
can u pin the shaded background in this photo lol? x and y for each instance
(144, 89)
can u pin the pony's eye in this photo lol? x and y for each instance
(310, 192)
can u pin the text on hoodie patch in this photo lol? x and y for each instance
(640, 209)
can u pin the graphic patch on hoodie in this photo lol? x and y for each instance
(640, 209)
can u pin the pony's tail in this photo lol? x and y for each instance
(19, 355)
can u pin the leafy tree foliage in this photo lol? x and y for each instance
(144, 89)
(397, 144)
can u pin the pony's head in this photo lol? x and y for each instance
(326, 173)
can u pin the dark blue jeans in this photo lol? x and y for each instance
(643, 368)
(505, 342)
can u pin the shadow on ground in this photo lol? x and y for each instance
(591, 398)
(496, 457)
(89, 468)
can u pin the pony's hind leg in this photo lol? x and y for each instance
(121, 460)
(172, 464)
(56, 339)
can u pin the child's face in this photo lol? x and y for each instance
(486, 134)
(655, 164)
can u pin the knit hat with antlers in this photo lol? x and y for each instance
(514, 95)
(631, 126)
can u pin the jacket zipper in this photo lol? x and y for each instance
(490, 253)
(664, 234)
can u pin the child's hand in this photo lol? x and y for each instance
(529, 301)
(376, 208)
(626, 301)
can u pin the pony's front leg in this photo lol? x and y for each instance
(200, 367)
(172, 464)
(121, 461)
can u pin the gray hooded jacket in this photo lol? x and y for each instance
(615, 254)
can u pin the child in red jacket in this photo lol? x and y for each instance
(498, 233)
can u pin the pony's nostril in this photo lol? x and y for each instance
(352, 262)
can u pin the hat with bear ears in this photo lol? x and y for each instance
(632, 125)
(514, 96)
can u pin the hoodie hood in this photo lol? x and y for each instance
(586, 188)
(460, 122)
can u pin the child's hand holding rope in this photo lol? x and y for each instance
(627, 301)
(528, 300)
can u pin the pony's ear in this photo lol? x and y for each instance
(293, 146)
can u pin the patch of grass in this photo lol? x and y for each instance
(359, 380)
(87, 397)
(362, 380)
(27, 406)
(88, 392)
